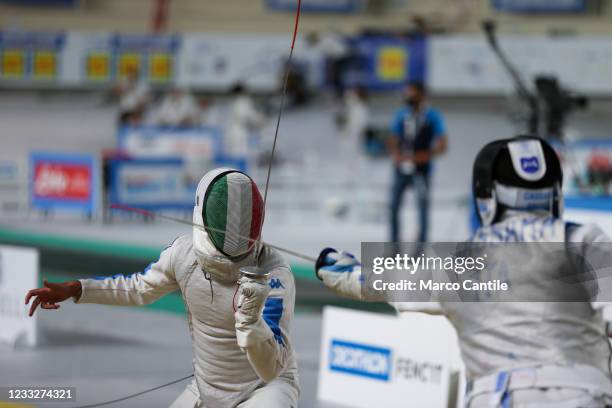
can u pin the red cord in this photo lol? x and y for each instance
(297, 23)
(234, 298)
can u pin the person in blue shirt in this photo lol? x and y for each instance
(418, 136)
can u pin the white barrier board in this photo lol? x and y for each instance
(465, 64)
(18, 274)
(372, 360)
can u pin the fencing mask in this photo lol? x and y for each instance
(228, 202)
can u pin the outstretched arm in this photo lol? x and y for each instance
(136, 289)
(139, 288)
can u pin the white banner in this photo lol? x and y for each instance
(18, 274)
(219, 61)
(372, 360)
(204, 143)
(466, 65)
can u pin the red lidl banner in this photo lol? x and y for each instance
(64, 180)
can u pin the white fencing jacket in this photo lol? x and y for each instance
(230, 362)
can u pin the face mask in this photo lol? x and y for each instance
(412, 102)
(231, 206)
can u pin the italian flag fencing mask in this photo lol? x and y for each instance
(230, 207)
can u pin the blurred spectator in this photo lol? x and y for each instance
(209, 112)
(353, 127)
(178, 108)
(599, 173)
(355, 123)
(336, 52)
(134, 97)
(244, 119)
(418, 136)
(297, 84)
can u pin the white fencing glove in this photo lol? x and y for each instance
(341, 272)
(252, 295)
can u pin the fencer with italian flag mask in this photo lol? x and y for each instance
(229, 206)
(240, 327)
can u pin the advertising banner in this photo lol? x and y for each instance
(219, 62)
(203, 143)
(318, 6)
(30, 55)
(587, 169)
(153, 56)
(152, 184)
(390, 62)
(18, 274)
(13, 184)
(465, 64)
(372, 360)
(161, 183)
(540, 6)
(64, 181)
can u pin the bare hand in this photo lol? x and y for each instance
(399, 158)
(422, 157)
(51, 294)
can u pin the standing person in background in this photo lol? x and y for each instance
(353, 130)
(243, 119)
(134, 98)
(418, 136)
(336, 52)
(178, 109)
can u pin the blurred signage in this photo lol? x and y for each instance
(318, 6)
(153, 56)
(387, 63)
(14, 63)
(217, 61)
(587, 166)
(152, 184)
(128, 62)
(29, 55)
(372, 360)
(44, 65)
(161, 183)
(98, 66)
(160, 66)
(392, 63)
(63, 181)
(540, 6)
(465, 65)
(18, 274)
(203, 143)
(44, 3)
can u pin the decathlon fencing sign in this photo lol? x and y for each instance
(372, 360)
(18, 274)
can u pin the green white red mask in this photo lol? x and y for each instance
(229, 204)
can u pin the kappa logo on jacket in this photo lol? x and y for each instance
(276, 284)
